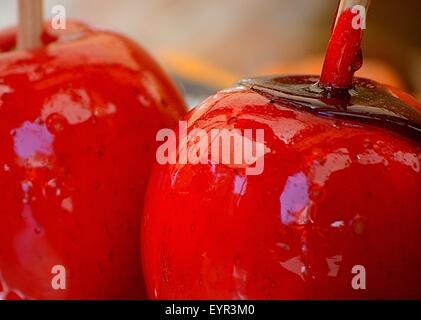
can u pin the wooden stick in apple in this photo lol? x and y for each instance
(344, 55)
(30, 24)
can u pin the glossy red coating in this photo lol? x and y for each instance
(7, 39)
(78, 120)
(343, 55)
(334, 194)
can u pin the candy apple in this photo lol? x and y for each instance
(334, 214)
(78, 119)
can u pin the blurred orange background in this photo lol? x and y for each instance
(215, 43)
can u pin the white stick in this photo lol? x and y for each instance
(30, 24)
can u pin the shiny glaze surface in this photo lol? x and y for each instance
(343, 55)
(334, 193)
(78, 120)
(366, 101)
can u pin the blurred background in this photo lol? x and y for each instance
(210, 44)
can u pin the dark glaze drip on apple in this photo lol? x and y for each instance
(366, 102)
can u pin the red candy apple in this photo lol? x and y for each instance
(335, 213)
(78, 119)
